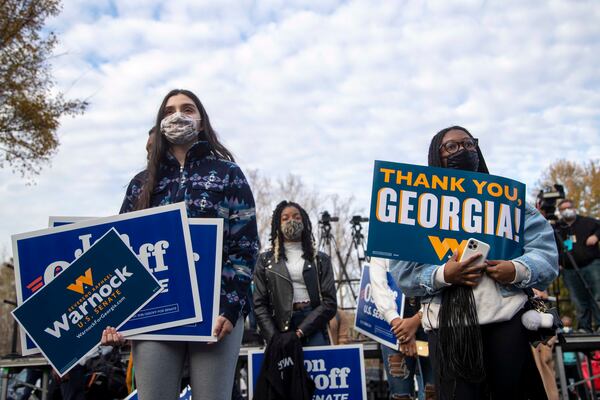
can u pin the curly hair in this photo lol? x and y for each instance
(276, 238)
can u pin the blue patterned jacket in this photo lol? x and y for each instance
(212, 188)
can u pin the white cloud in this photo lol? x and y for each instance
(320, 90)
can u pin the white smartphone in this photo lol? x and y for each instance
(475, 246)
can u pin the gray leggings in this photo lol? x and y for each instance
(159, 365)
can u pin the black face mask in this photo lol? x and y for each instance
(465, 160)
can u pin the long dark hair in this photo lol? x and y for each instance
(460, 345)
(158, 151)
(276, 237)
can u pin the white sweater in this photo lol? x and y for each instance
(295, 266)
(491, 305)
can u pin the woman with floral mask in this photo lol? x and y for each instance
(186, 162)
(294, 288)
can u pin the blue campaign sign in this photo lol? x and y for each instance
(369, 320)
(160, 237)
(105, 286)
(423, 213)
(338, 371)
(186, 394)
(207, 242)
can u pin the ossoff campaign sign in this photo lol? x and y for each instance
(207, 242)
(207, 245)
(338, 371)
(103, 287)
(160, 237)
(422, 213)
(369, 320)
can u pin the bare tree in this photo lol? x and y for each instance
(581, 182)
(8, 298)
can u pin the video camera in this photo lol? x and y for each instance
(546, 200)
(357, 219)
(326, 218)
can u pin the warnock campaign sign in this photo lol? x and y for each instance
(369, 320)
(105, 286)
(160, 237)
(422, 213)
(338, 371)
(207, 245)
(186, 394)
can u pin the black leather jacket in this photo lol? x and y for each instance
(273, 295)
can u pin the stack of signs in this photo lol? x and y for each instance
(369, 321)
(338, 371)
(182, 255)
(207, 245)
(106, 285)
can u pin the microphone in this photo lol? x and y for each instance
(533, 320)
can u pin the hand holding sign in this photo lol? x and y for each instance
(223, 327)
(409, 348)
(501, 271)
(465, 272)
(405, 329)
(110, 337)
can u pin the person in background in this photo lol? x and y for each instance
(403, 365)
(188, 163)
(294, 288)
(150, 141)
(339, 327)
(579, 236)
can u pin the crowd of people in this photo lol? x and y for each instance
(468, 311)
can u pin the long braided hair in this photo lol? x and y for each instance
(276, 238)
(158, 151)
(460, 344)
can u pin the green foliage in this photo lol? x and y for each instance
(30, 107)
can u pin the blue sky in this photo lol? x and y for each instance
(319, 89)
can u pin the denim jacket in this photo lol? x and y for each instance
(539, 257)
(212, 188)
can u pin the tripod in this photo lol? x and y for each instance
(327, 242)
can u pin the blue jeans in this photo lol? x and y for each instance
(401, 371)
(580, 297)
(319, 338)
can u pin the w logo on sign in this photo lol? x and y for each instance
(442, 247)
(78, 285)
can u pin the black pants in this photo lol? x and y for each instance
(73, 387)
(510, 369)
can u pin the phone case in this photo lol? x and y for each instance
(475, 246)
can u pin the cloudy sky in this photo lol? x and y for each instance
(316, 88)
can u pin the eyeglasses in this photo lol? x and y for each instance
(452, 147)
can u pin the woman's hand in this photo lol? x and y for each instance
(463, 272)
(409, 348)
(501, 271)
(223, 327)
(110, 337)
(406, 329)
